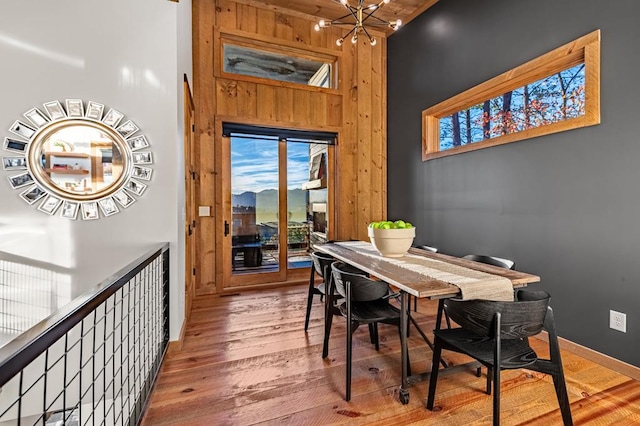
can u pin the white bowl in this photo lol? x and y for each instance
(392, 242)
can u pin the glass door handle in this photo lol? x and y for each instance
(226, 228)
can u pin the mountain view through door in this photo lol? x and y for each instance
(261, 168)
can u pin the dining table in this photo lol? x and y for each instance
(422, 274)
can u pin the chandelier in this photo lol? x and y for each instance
(358, 19)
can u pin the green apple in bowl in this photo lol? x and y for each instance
(391, 238)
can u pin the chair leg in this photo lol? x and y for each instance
(327, 330)
(376, 338)
(497, 362)
(563, 398)
(309, 301)
(433, 379)
(556, 364)
(496, 397)
(349, 358)
(489, 373)
(350, 331)
(372, 337)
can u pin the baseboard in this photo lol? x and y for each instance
(599, 358)
(176, 345)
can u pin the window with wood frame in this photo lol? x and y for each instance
(256, 59)
(557, 91)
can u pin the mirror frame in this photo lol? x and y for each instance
(35, 184)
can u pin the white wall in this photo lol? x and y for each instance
(128, 55)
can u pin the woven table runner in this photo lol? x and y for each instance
(472, 284)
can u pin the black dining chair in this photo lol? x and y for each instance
(322, 267)
(365, 301)
(496, 334)
(491, 260)
(488, 260)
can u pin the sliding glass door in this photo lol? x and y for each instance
(276, 205)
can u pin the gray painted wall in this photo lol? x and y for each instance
(128, 55)
(564, 206)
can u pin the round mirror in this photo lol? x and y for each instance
(79, 159)
(76, 160)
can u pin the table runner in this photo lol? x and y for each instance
(472, 284)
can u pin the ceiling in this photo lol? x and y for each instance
(404, 10)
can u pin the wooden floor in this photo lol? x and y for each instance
(247, 360)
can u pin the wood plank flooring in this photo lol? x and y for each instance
(246, 360)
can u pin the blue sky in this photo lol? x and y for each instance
(255, 164)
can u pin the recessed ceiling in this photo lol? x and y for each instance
(404, 10)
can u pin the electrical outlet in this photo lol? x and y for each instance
(618, 321)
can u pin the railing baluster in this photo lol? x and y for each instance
(132, 310)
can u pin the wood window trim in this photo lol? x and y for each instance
(585, 49)
(257, 42)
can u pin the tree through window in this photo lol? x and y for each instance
(555, 92)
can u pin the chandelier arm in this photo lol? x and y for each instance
(364, 30)
(352, 12)
(338, 21)
(371, 15)
(350, 31)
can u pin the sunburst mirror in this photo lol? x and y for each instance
(76, 160)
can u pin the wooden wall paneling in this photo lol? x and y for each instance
(381, 85)
(319, 107)
(246, 97)
(284, 104)
(266, 101)
(266, 23)
(302, 106)
(334, 110)
(378, 131)
(364, 141)
(302, 29)
(246, 18)
(284, 30)
(346, 169)
(318, 38)
(204, 90)
(355, 110)
(227, 97)
(225, 13)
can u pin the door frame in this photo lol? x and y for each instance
(223, 208)
(241, 280)
(190, 221)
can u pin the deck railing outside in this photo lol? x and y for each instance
(95, 360)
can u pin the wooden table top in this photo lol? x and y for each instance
(415, 283)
